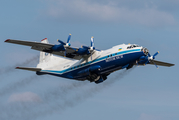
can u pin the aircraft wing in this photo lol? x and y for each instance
(29, 43)
(45, 47)
(161, 63)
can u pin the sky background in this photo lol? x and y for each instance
(142, 93)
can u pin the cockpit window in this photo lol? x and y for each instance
(132, 46)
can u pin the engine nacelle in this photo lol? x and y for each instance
(143, 61)
(59, 47)
(83, 51)
(142, 57)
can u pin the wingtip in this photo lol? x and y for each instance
(17, 67)
(7, 40)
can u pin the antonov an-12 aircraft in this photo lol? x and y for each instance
(87, 63)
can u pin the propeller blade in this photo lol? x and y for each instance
(156, 53)
(92, 41)
(154, 64)
(69, 37)
(92, 44)
(61, 42)
(149, 55)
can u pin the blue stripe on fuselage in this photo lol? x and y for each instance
(86, 65)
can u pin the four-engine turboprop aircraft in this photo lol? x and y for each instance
(87, 63)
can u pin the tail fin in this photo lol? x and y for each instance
(44, 57)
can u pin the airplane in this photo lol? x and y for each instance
(87, 63)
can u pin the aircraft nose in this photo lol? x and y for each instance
(145, 51)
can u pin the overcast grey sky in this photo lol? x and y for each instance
(143, 93)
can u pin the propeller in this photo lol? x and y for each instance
(68, 41)
(147, 59)
(151, 58)
(86, 50)
(92, 43)
(67, 44)
(92, 46)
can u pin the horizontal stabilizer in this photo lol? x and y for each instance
(161, 63)
(28, 68)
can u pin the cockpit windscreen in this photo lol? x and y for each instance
(132, 46)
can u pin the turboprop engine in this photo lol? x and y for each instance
(62, 45)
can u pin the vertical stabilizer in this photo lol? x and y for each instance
(44, 57)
